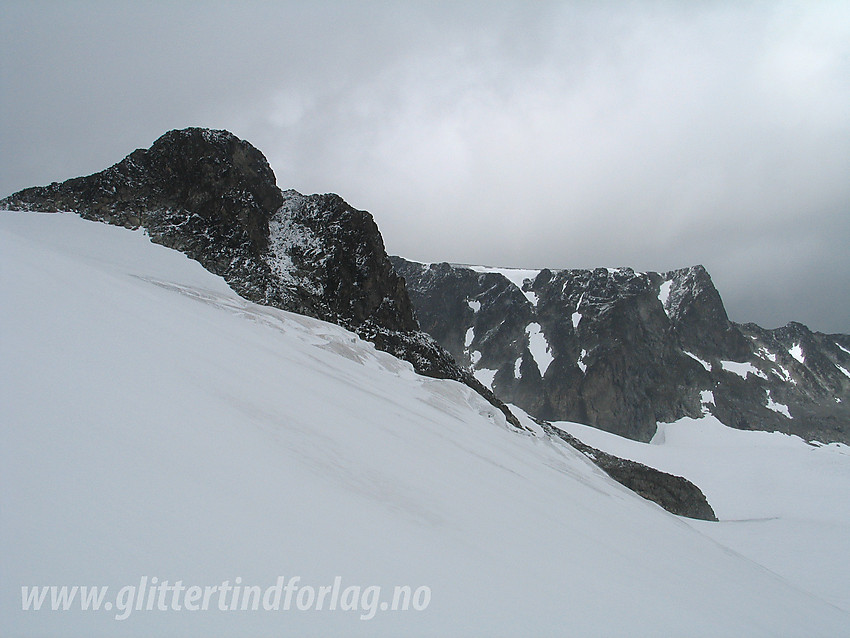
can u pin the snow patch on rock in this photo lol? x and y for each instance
(485, 376)
(764, 353)
(539, 347)
(797, 352)
(286, 236)
(706, 398)
(742, 369)
(581, 364)
(777, 407)
(702, 362)
(782, 372)
(664, 294)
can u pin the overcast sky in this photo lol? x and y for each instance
(566, 134)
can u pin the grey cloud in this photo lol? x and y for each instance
(562, 134)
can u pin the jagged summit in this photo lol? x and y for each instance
(623, 350)
(697, 312)
(214, 197)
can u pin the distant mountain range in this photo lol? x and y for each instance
(623, 350)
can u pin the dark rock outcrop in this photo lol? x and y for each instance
(214, 197)
(205, 193)
(623, 350)
(675, 494)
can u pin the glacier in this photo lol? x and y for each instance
(155, 423)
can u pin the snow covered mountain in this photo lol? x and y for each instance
(624, 350)
(157, 425)
(214, 197)
(160, 428)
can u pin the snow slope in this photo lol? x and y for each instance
(155, 424)
(781, 502)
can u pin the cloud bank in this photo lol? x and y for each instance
(649, 134)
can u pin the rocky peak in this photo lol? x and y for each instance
(697, 313)
(214, 197)
(213, 176)
(321, 245)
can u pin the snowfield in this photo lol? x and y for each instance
(781, 501)
(156, 424)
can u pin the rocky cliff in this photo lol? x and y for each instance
(214, 197)
(622, 350)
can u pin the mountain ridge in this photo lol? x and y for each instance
(623, 350)
(215, 198)
(615, 348)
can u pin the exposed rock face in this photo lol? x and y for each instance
(214, 197)
(332, 256)
(675, 494)
(205, 193)
(623, 350)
